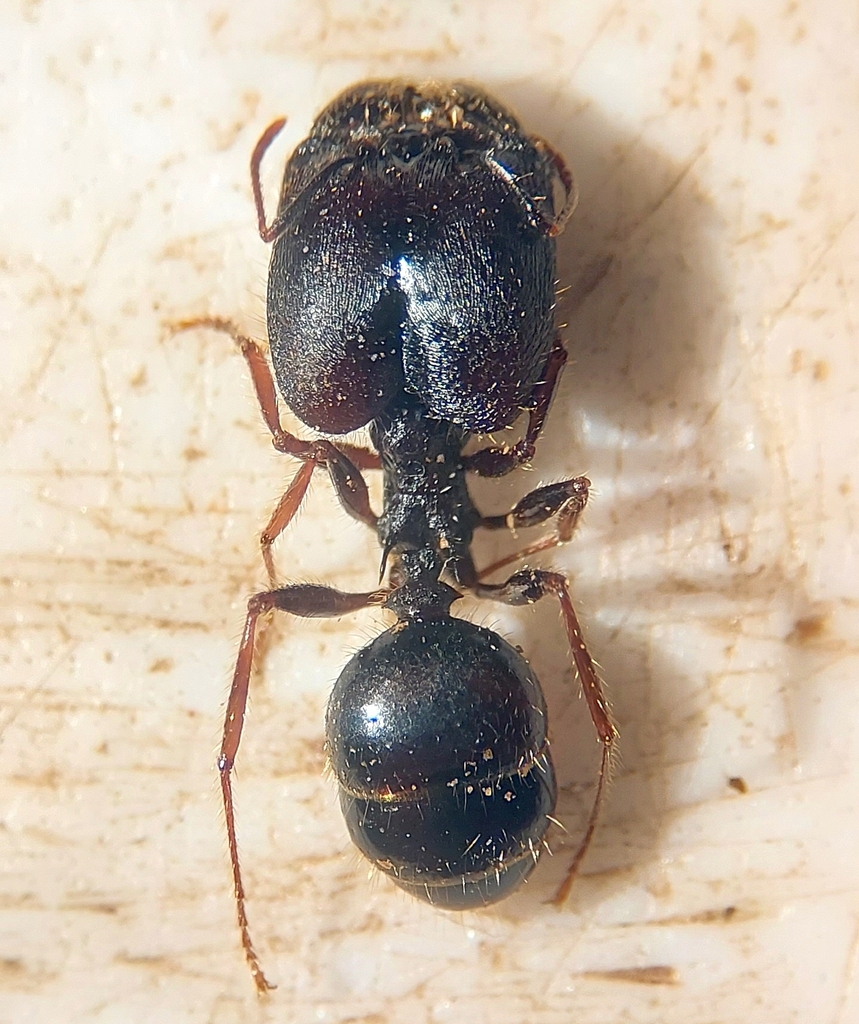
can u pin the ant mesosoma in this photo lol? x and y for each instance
(411, 290)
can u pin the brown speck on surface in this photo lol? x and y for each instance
(820, 370)
(738, 783)
(743, 84)
(657, 975)
(745, 36)
(193, 454)
(11, 968)
(139, 378)
(161, 665)
(217, 20)
(808, 629)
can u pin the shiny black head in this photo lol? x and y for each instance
(415, 253)
(436, 732)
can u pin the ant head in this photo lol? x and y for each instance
(437, 734)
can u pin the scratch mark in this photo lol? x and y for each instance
(850, 976)
(715, 915)
(595, 38)
(668, 192)
(111, 410)
(32, 692)
(810, 271)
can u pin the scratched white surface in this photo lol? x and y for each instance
(711, 396)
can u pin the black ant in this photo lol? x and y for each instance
(411, 289)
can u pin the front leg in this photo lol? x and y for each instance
(499, 461)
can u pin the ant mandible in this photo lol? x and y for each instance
(411, 290)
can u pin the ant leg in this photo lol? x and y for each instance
(553, 225)
(527, 587)
(499, 461)
(566, 500)
(304, 600)
(565, 176)
(267, 232)
(342, 463)
(263, 382)
(283, 515)
(349, 486)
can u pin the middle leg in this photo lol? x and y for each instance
(499, 461)
(566, 500)
(349, 486)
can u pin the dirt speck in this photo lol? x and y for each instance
(161, 665)
(745, 36)
(658, 974)
(808, 629)
(217, 20)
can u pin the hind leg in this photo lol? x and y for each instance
(528, 587)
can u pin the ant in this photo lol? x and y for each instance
(411, 290)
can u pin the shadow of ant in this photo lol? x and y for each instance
(645, 320)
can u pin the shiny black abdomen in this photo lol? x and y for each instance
(436, 733)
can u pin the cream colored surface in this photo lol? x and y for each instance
(711, 396)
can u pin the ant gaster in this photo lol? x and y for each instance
(411, 290)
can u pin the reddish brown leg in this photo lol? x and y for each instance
(527, 587)
(271, 232)
(341, 462)
(263, 382)
(304, 600)
(498, 461)
(566, 500)
(534, 205)
(349, 486)
(283, 515)
(268, 233)
(565, 175)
